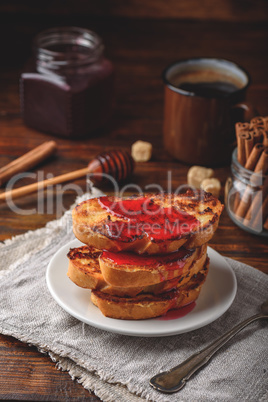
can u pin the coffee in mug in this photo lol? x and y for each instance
(202, 98)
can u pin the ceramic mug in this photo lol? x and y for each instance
(202, 103)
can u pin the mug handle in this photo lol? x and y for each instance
(244, 111)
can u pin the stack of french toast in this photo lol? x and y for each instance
(143, 255)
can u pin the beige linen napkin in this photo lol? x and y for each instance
(118, 367)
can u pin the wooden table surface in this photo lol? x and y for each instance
(140, 49)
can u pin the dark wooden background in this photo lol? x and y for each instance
(141, 38)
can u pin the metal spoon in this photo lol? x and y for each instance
(174, 379)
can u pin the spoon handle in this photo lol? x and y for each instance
(174, 379)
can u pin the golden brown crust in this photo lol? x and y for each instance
(91, 224)
(135, 276)
(147, 305)
(84, 268)
(84, 271)
(132, 309)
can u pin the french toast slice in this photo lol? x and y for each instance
(151, 224)
(84, 271)
(131, 270)
(147, 305)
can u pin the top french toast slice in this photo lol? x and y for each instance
(151, 224)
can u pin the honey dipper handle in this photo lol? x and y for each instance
(31, 188)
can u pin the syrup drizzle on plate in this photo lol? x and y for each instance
(177, 312)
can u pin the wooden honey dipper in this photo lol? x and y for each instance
(118, 164)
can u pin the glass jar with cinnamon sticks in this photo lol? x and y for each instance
(246, 191)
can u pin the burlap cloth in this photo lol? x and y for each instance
(118, 367)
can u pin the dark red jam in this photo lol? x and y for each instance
(144, 217)
(68, 90)
(172, 261)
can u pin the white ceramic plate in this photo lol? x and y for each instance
(215, 298)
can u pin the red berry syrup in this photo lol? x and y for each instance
(143, 216)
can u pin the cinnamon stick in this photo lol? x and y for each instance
(256, 181)
(27, 161)
(257, 210)
(245, 203)
(258, 134)
(257, 203)
(249, 144)
(253, 208)
(254, 156)
(259, 218)
(265, 122)
(241, 127)
(257, 122)
(265, 138)
(236, 201)
(242, 137)
(262, 165)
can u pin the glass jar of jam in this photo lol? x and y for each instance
(68, 90)
(246, 198)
